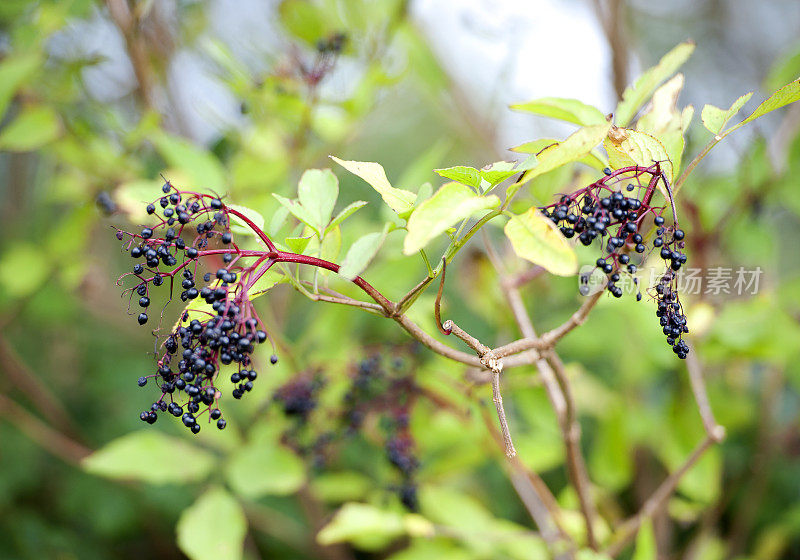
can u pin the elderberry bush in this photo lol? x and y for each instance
(224, 331)
(616, 213)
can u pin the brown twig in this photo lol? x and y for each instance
(128, 24)
(51, 440)
(37, 391)
(630, 528)
(571, 430)
(700, 394)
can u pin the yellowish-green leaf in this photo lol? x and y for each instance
(341, 486)
(630, 147)
(646, 548)
(16, 70)
(317, 191)
(461, 173)
(298, 244)
(200, 165)
(715, 119)
(213, 527)
(399, 200)
(636, 95)
(570, 110)
(239, 226)
(364, 525)
(349, 210)
(665, 121)
(593, 159)
(451, 203)
(574, 148)
(30, 130)
(264, 467)
(537, 239)
(361, 253)
(785, 95)
(298, 211)
(24, 267)
(266, 282)
(150, 456)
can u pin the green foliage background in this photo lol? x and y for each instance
(69, 354)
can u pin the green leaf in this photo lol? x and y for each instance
(152, 457)
(32, 260)
(785, 95)
(463, 174)
(361, 253)
(646, 548)
(298, 211)
(239, 226)
(340, 486)
(30, 130)
(264, 467)
(212, 528)
(497, 172)
(200, 165)
(593, 159)
(637, 94)
(570, 110)
(575, 147)
(399, 200)
(298, 244)
(266, 282)
(349, 210)
(15, 71)
(630, 147)
(317, 192)
(715, 119)
(537, 239)
(365, 525)
(451, 203)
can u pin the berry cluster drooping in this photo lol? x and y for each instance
(391, 392)
(298, 398)
(223, 331)
(617, 211)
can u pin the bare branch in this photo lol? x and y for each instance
(51, 440)
(630, 528)
(701, 395)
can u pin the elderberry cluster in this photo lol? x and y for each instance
(670, 314)
(298, 398)
(390, 392)
(223, 331)
(617, 211)
(333, 44)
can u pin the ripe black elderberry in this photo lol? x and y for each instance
(601, 209)
(228, 332)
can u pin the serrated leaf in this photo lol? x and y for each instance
(399, 200)
(317, 191)
(785, 95)
(365, 525)
(630, 147)
(349, 210)
(264, 467)
(570, 110)
(637, 94)
(646, 548)
(537, 239)
(30, 130)
(461, 173)
(199, 164)
(239, 226)
(16, 70)
(150, 456)
(297, 210)
(451, 203)
(361, 254)
(573, 148)
(715, 119)
(213, 527)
